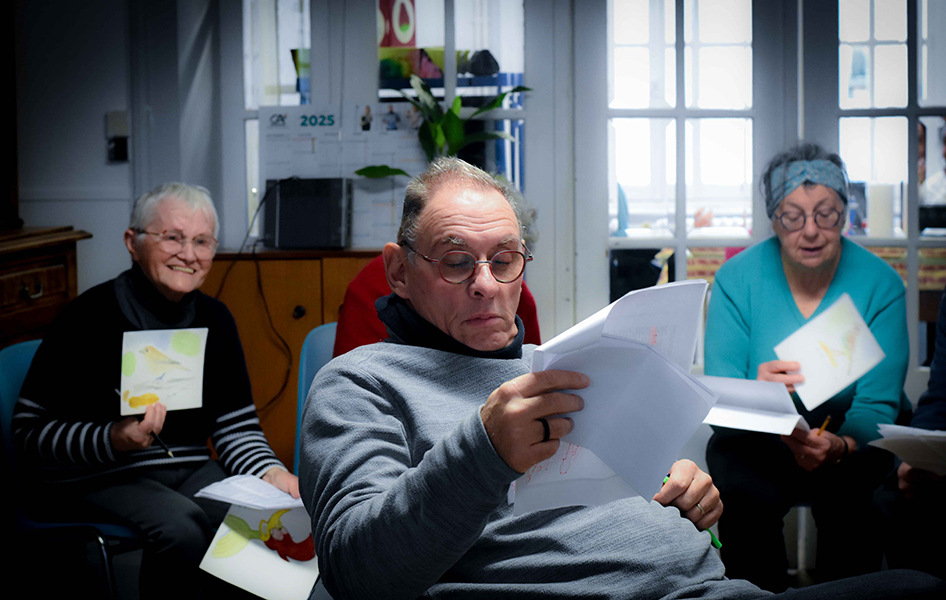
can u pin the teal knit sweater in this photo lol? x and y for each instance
(751, 310)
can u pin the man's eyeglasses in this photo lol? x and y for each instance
(795, 221)
(458, 266)
(174, 241)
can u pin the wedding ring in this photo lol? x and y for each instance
(547, 432)
(702, 512)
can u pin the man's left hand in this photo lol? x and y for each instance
(283, 479)
(693, 493)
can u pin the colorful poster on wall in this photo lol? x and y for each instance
(397, 24)
(162, 365)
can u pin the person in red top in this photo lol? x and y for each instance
(358, 322)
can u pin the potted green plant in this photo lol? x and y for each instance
(443, 132)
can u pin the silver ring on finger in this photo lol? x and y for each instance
(546, 430)
(702, 512)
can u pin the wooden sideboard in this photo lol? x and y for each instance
(303, 289)
(37, 278)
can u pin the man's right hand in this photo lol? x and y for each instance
(913, 482)
(512, 412)
(132, 434)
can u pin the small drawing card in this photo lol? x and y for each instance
(834, 349)
(162, 365)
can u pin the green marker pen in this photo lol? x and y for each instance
(716, 543)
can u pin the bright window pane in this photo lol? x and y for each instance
(854, 20)
(251, 133)
(631, 78)
(725, 21)
(719, 177)
(643, 189)
(485, 29)
(932, 74)
(890, 80)
(631, 19)
(725, 78)
(718, 65)
(875, 152)
(932, 167)
(641, 62)
(890, 20)
(854, 73)
(271, 30)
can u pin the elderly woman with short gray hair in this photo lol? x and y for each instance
(88, 462)
(759, 298)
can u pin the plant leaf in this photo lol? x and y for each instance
(380, 171)
(429, 106)
(455, 109)
(498, 100)
(454, 130)
(427, 141)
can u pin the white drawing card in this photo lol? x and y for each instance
(162, 365)
(269, 553)
(834, 349)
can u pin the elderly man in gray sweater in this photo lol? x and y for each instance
(409, 446)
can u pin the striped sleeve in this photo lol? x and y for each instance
(44, 441)
(241, 444)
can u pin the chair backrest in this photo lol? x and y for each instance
(14, 363)
(316, 352)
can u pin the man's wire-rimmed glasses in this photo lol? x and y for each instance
(458, 266)
(795, 221)
(173, 242)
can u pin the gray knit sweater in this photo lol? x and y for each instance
(408, 497)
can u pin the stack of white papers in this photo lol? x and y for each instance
(920, 448)
(642, 405)
(249, 491)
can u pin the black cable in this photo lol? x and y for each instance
(259, 286)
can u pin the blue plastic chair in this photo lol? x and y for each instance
(14, 363)
(316, 352)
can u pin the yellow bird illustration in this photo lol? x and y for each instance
(158, 362)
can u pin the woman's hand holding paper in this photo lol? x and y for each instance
(134, 434)
(782, 371)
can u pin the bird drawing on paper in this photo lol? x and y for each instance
(271, 532)
(159, 363)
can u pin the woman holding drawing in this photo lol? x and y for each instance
(759, 298)
(150, 345)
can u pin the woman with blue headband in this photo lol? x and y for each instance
(759, 298)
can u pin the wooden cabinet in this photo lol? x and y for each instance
(37, 278)
(302, 289)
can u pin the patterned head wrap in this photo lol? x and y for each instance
(786, 177)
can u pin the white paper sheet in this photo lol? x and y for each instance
(921, 448)
(249, 491)
(752, 405)
(642, 406)
(834, 349)
(266, 552)
(574, 476)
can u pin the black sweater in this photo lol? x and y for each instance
(68, 404)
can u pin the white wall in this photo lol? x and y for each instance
(72, 68)
(75, 62)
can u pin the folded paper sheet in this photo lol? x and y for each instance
(249, 491)
(834, 350)
(267, 552)
(752, 405)
(920, 448)
(642, 405)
